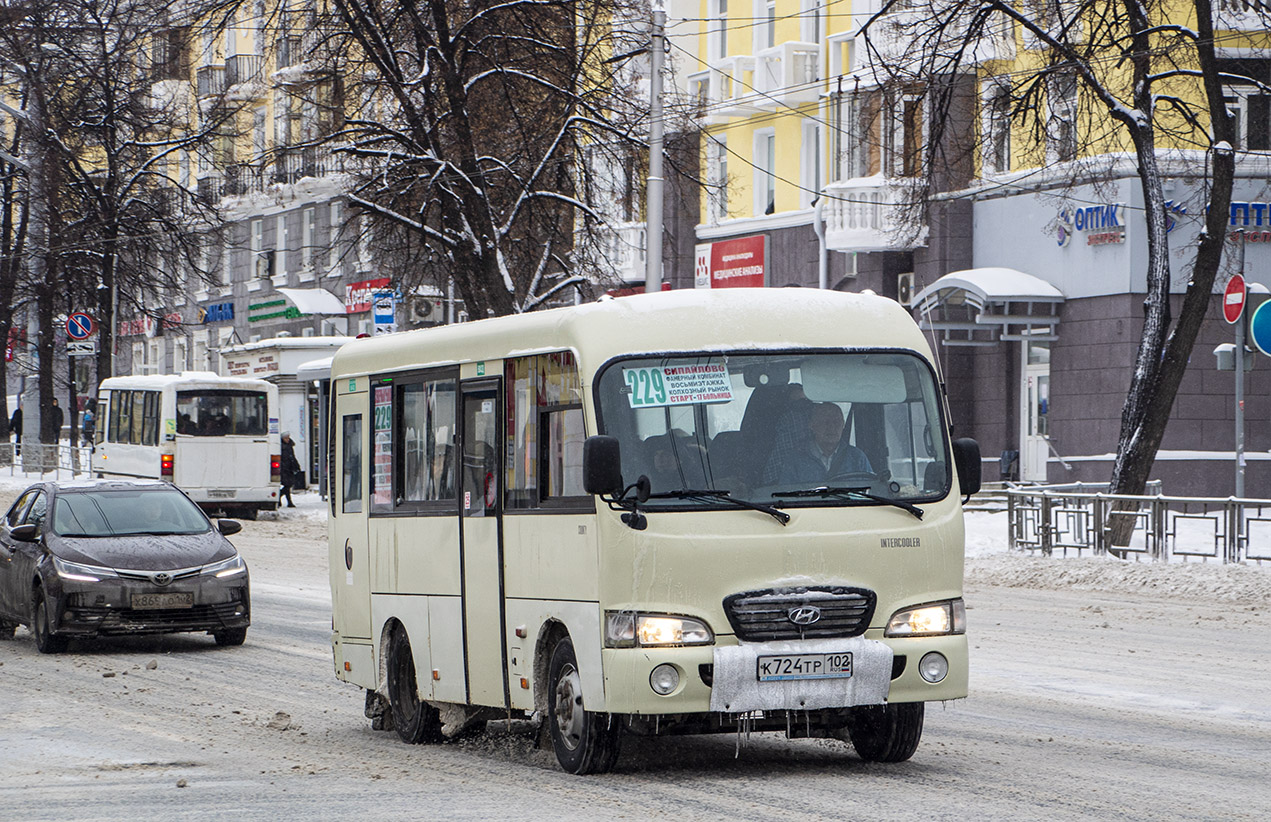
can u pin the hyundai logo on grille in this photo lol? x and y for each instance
(804, 615)
(161, 578)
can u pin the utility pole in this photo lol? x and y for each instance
(653, 204)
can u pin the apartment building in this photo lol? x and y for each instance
(1026, 262)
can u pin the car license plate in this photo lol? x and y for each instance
(174, 599)
(804, 666)
(221, 493)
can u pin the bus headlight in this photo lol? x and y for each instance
(934, 619)
(627, 629)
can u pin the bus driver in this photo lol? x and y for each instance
(818, 454)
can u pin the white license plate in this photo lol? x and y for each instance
(804, 666)
(221, 493)
(174, 599)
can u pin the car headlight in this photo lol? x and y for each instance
(227, 568)
(628, 629)
(78, 572)
(934, 619)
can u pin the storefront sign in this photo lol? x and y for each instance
(359, 296)
(271, 310)
(260, 365)
(218, 313)
(1101, 224)
(737, 263)
(136, 327)
(1254, 219)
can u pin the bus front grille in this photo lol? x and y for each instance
(800, 613)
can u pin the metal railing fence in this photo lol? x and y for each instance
(39, 461)
(1078, 519)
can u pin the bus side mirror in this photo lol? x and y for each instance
(602, 466)
(966, 456)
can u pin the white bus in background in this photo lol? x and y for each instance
(216, 438)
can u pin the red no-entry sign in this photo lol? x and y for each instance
(1233, 299)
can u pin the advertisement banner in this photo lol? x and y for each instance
(738, 263)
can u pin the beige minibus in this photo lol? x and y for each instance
(685, 512)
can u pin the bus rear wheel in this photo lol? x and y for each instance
(414, 720)
(585, 742)
(886, 733)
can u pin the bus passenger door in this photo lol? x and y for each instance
(481, 555)
(350, 554)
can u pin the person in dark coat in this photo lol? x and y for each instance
(290, 467)
(15, 427)
(56, 413)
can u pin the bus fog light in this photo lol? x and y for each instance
(934, 667)
(664, 679)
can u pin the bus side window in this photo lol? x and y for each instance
(545, 428)
(351, 468)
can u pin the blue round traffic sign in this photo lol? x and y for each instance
(1260, 328)
(80, 326)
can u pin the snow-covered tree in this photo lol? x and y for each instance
(1079, 86)
(466, 123)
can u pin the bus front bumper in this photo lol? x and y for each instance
(725, 678)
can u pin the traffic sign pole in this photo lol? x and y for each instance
(1240, 366)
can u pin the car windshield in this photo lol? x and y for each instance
(220, 413)
(863, 427)
(123, 512)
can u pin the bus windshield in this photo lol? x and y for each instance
(799, 428)
(217, 413)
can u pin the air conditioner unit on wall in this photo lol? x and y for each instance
(905, 288)
(424, 310)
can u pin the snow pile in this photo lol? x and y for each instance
(990, 562)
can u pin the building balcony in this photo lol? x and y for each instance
(243, 68)
(210, 80)
(788, 75)
(210, 187)
(725, 90)
(873, 214)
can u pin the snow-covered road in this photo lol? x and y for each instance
(1099, 690)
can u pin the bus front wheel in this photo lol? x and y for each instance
(414, 720)
(886, 733)
(585, 742)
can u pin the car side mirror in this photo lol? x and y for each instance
(28, 532)
(228, 527)
(966, 456)
(602, 466)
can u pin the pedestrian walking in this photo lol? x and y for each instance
(88, 426)
(15, 426)
(58, 419)
(290, 468)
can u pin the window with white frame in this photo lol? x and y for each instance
(765, 161)
(848, 154)
(810, 163)
(718, 43)
(996, 126)
(226, 275)
(810, 21)
(257, 263)
(765, 24)
(308, 233)
(1061, 127)
(1248, 105)
(717, 177)
(333, 241)
(280, 246)
(911, 135)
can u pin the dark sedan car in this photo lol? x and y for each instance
(80, 560)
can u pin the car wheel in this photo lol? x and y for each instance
(414, 720)
(230, 637)
(886, 733)
(585, 742)
(46, 641)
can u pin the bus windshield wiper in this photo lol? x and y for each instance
(723, 496)
(850, 493)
